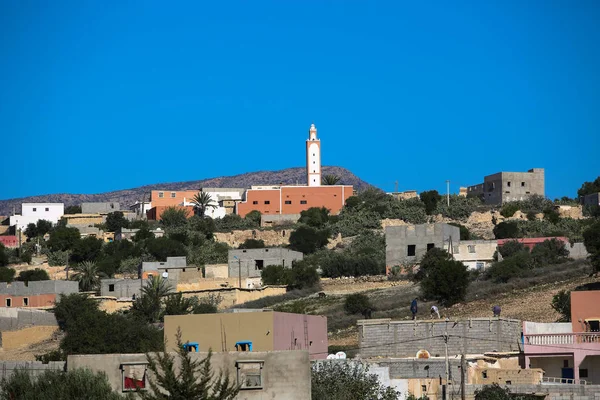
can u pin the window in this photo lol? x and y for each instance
(25, 301)
(249, 374)
(111, 288)
(424, 388)
(508, 184)
(8, 302)
(34, 209)
(411, 250)
(522, 184)
(288, 202)
(173, 194)
(134, 376)
(471, 248)
(259, 265)
(47, 209)
(161, 195)
(583, 372)
(267, 202)
(507, 192)
(255, 202)
(182, 269)
(313, 162)
(430, 246)
(302, 201)
(509, 382)
(527, 192)
(484, 374)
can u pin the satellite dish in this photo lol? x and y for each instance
(340, 355)
(331, 357)
(423, 354)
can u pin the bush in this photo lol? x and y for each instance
(460, 207)
(63, 238)
(511, 248)
(254, 217)
(345, 264)
(551, 251)
(161, 248)
(274, 275)
(430, 198)
(252, 244)
(307, 240)
(506, 230)
(512, 267)
(7, 274)
(301, 275)
(358, 303)
(465, 234)
(232, 222)
(551, 215)
(87, 249)
(509, 209)
(447, 282)
(4, 258)
(33, 275)
(315, 217)
(57, 258)
(561, 303)
(591, 240)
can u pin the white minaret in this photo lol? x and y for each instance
(313, 157)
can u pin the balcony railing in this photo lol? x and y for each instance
(549, 339)
(548, 379)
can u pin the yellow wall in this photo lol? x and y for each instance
(231, 297)
(220, 332)
(111, 304)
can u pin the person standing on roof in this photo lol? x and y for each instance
(413, 309)
(435, 311)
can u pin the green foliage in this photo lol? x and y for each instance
(91, 331)
(511, 248)
(149, 306)
(589, 188)
(202, 202)
(551, 215)
(57, 258)
(163, 247)
(4, 255)
(352, 202)
(254, 216)
(252, 244)
(460, 207)
(496, 392)
(86, 249)
(355, 222)
(514, 266)
(509, 209)
(315, 217)
(209, 253)
(591, 240)
(345, 264)
(231, 222)
(176, 304)
(186, 378)
(274, 275)
(430, 198)
(443, 279)
(115, 221)
(301, 275)
(7, 274)
(342, 381)
(506, 230)
(33, 275)
(561, 303)
(308, 240)
(571, 228)
(57, 385)
(358, 303)
(329, 180)
(552, 251)
(73, 210)
(531, 216)
(63, 238)
(173, 217)
(88, 276)
(465, 234)
(38, 229)
(205, 226)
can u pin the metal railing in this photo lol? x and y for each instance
(549, 379)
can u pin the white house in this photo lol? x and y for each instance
(33, 212)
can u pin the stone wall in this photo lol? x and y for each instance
(34, 368)
(233, 296)
(39, 287)
(387, 338)
(12, 319)
(275, 237)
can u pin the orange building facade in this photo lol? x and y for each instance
(155, 213)
(168, 198)
(37, 300)
(294, 199)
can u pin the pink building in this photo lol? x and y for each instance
(567, 352)
(10, 242)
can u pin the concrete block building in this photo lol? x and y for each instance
(281, 375)
(33, 212)
(591, 200)
(100, 207)
(250, 331)
(34, 294)
(407, 244)
(250, 262)
(503, 187)
(175, 269)
(121, 288)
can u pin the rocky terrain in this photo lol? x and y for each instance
(290, 176)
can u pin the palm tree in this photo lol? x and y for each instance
(202, 201)
(88, 276)
(331, 180)
(150, 304)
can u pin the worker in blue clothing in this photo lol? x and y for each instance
(413, 308)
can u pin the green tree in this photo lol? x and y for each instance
(343, 381)
(358, 303)
(511, 248)
(86, 249)
(57, 385)
(202, 202)
(506, 230)
(352, 202)
(509, 209)
(149, 305)
(315, 217)
(561, 303)
(205, 226)
(176, 304)
(430, 198)
(173, 217)
(115, 221)
(589, 188)
(496, 392)
(254, 217)
(465, 234)
(445, 281)
(186, 378)
(38, 229)
(7, 274)
(302, 275)
(33, 275)
(308, 240)
(511, 267)
(63, 238)
(591, 240)
(274, 275)
(252, 244)
(330, 180)
(88, 275)
(4, 258)
(31, 230)
(73, 210)
(430, 261)
(163, 247)
(552, 251)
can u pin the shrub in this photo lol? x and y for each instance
(430, 198)
(173, 217)
(33, 275)
(512, 267)
(561, 303)
(346, 264)
(7, 274)
(460, 207)
(465, 234)
(447, 282)
(531, 216)
(551, 215)
(4, 257)
(254, 217)
(358, 303)
(509, 209)
(308, 240)
(274, 275)
(506, 230)
(591, 240)
(551, 251)
(315, 217)
(299, 276)
(252, 244)
(63, 238)
(511, 248)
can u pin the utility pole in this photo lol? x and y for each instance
(445, 387)
(239, 270)
(396, 186)
(67, 267)
(463, 373)
(448, 192)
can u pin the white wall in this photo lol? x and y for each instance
(31, 213)
(531, 328)
(484, 252)
(216, 195)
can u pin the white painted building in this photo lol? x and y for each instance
(224, 200)
(31, 213)
(475, 254)
(137, 207)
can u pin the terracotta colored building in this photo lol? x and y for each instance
(568, 352)
(9, 241)
(34, 294)
(249, 330)
(155, 212)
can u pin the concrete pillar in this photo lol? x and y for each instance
(578, 358)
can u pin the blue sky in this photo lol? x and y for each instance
(107, 95)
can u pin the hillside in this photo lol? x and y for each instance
(129, 196)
